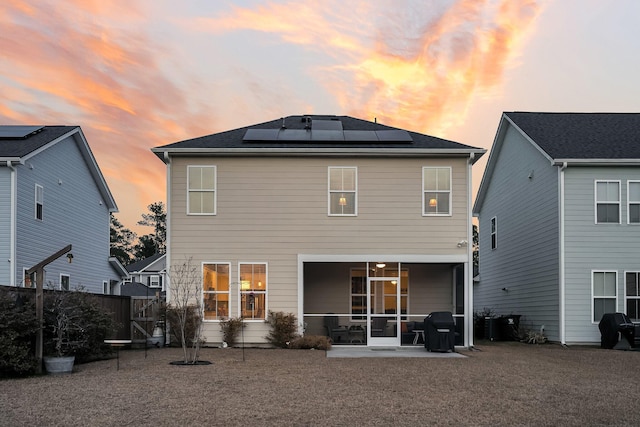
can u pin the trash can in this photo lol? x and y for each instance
(509, 327)
(491, 330)
(616, 331)
(439, 331)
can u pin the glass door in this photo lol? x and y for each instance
(383, 316)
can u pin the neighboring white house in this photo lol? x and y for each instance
(324, 217)
(53, 194)
(146, 276)
(559, 221)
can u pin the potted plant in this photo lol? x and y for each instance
(65, 331)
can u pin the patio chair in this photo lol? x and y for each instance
(378, 326)
(335, 331)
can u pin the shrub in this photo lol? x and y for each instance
(230, 329)
(284, 329)
(318, 342)
(76, 324)
(18, 326)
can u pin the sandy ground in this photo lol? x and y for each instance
(504, 383)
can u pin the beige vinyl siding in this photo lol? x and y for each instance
(272, 209)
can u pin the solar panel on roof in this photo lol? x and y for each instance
(360, 136)
(326, 125)
(15, 131)
(326, 135)
(294, 135)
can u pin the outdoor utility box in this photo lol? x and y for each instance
(439, 331)
(614, 327)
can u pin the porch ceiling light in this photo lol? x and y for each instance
(381, 265)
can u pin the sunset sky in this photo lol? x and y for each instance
(137, 74)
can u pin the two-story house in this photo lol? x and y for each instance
(53, 194)
(147, 276)
(559, 221)
(324, 217)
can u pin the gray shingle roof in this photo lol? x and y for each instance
(19, 147)
(234, 138)
(582, 135)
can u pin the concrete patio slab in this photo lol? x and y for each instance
(359, 352)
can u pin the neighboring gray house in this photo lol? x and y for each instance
(146, 276)
(559, 220)
(53, 194)
(351, 225)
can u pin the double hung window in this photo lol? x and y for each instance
(201, 190)
(604, 294)
(343, 188)
(633, 201)
(215, 291)
(632, 295)
(607, 202)
(436, 191)
(253, 290)
(494, 233)
(39, 202)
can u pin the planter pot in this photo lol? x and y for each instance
(59, 365)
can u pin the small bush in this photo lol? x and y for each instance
(18, 326)
(230, 329)
(284, 329)
(318, 342)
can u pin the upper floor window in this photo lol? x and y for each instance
(633, 201)
(494, 232)
(436, 189)
(632, 295)
(607, 202)
(39, 201)
(215, 291)
(343, 188)
(155, 281)
(604, 294)
(253, 291)
(201, 190)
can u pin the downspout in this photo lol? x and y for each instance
(12, 225)
(468, 295)
(561, 277)
(167, 268)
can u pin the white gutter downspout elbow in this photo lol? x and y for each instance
(561, 276)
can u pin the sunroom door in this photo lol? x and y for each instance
(383, 320)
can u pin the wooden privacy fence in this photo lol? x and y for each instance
(147, 313)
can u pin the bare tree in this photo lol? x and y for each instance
(185, 307)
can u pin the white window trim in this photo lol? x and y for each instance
(629, 201)
(595, 200)
(595, 322)
(106, 289)
(493, 231)
(626, 297)
(214, 191)
(203, 291)
(355, 191)
(265, 292)
(40, 202)
(450, 191)
(60, 282)
(157, 281)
